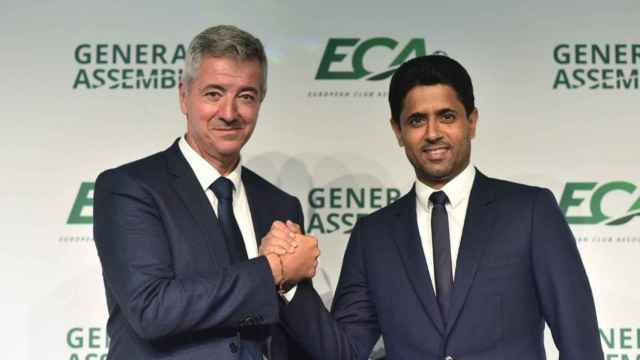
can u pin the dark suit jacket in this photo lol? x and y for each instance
(171, 291)
(518, 266)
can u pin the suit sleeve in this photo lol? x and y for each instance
(350, 331)
(562, 284)
(137, 266)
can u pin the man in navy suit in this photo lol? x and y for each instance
(178, 232)
(462, 267)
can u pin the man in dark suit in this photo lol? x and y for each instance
(463, 266)
(178, 232)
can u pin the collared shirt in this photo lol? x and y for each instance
(206, 175)
(458, 191)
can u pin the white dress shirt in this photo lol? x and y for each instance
(206, 175)
(457, 191)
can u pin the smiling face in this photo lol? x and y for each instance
(221, 105)
(436, 133)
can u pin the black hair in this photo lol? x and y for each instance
(430, 70)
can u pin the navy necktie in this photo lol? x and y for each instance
(441, 251)
(223, 189)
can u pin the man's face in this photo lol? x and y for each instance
(435, 133)
(221, 106)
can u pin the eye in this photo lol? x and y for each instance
(415, 120)
(213, 95)
(247, 97)
(448, 116)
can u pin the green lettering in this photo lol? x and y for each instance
(354, 198)
(375, 198)
(625, 338)
(141, 54)
(608, 341)
(601, 192)
(316, 198)
(392, 195)
(331, 56)
(82, 55)
(179, 54)
(333, 219)
(568, 200)
(84, 199)
(561, 54)
(74, 338)
(168, 79)
(335, 198)
(561, 79)
(315, 223)
(358, 56)
(82, 79)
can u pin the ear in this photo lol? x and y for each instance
(473, 122)
(182, 93)
(395, 126)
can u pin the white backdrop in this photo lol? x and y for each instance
(320, 137)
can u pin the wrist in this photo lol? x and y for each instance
(277, 270)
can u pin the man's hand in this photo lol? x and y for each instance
(303, 262)
(280, 240)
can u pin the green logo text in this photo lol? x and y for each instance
(575, 193)
(339, 49)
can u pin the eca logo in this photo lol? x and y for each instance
(570, 199)
(338, 49)
(82, 210)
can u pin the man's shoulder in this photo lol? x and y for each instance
(391, 212)
(507, 189)
(253, 180)
(150, 169)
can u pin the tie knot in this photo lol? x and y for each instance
(222, 188)
(438, 198)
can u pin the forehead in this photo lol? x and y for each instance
(431, 98)
(229, 71)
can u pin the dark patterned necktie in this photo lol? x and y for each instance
(441, 251)
(223, 189)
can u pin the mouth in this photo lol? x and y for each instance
(436, 153)
(227, 129)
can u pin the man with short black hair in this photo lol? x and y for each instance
(178, 232)
(463, 266)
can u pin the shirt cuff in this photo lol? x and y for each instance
(288, 296)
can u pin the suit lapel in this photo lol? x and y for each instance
(475, 235)
(407, 238)
(260, 215)
(195, 200)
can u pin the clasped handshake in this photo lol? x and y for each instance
(292, 256)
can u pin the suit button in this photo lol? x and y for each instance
(248, 321)
(233, 347)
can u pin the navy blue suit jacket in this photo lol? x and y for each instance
(171, 291)
(518, 266)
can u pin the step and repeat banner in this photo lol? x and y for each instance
(91, 85)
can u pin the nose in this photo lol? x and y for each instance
(228, 110)
(432, 131)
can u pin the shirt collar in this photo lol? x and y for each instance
(457, 190)
(205, 173)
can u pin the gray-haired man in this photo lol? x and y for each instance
(178, 232)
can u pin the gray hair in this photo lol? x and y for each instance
(224, 41)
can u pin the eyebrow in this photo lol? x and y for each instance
(422, 115)
(445, 110)
(224, 90)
